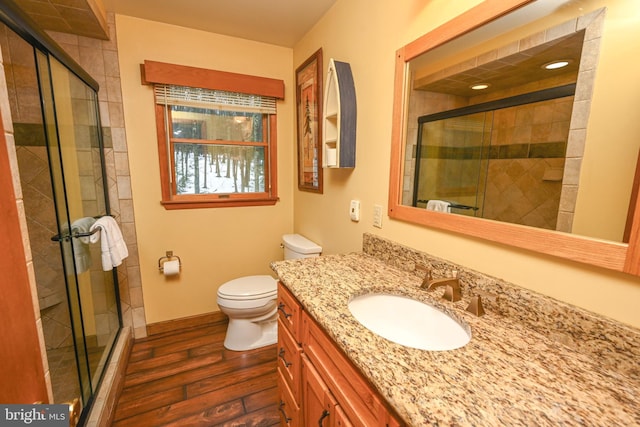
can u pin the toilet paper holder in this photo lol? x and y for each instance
(168, 257)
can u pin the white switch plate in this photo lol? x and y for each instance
(377, 216)
(354, 210)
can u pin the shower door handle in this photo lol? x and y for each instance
(68, 236)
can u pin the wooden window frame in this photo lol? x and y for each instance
(170, 74)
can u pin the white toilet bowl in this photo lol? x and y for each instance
(250, 301)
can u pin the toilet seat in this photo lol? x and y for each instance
(249, 288)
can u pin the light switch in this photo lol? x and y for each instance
(377, 216)
(354, 210)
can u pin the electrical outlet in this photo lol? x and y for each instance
(377, 216)
(354, 211)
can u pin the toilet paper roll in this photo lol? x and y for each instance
(331, 157)
(171, 268)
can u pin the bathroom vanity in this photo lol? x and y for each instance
(316, 382)
(531, 360)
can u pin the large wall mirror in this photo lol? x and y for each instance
(519, 122)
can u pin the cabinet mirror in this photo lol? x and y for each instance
(517, 122)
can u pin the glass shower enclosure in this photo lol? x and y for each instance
(60, 152)
(77, 175)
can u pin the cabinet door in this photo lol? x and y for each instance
(318, 403)
(341, 418)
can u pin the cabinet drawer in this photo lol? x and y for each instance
(289, 359)
(289, 311)
(288, 406)
(360, 402)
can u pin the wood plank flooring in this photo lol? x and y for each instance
(188, 378)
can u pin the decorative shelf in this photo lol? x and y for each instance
(339, 121)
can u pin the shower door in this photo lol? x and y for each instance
(451, 161)
(74, 146)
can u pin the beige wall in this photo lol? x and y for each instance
(219, 244)
(215, 245)
(366, 34)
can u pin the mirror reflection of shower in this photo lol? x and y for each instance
(498, 150)
(501, 160)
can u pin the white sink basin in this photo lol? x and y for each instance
(409, 322)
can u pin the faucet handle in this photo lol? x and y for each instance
(475, 306)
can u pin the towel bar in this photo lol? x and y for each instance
(455, 205)
(68, 236)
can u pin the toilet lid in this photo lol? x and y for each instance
(249, 287)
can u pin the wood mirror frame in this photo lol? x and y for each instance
(623, 257)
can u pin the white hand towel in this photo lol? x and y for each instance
(81, 253)
(438, 206)
(112, 245)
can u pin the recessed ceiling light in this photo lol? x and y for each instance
(479, 86)
(556, 64)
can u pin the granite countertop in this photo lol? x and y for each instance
(508, 374)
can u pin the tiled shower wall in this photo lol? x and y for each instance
(100, 59)
(526, 166)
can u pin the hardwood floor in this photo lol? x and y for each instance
(187, 378)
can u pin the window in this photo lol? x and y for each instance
(216, 136)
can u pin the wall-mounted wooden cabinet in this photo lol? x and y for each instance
(340, 114)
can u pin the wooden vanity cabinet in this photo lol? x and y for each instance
(327, 390)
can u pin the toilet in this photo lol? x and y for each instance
(250, 301)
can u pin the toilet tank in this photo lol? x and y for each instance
(297, 246)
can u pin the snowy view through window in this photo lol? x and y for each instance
(229, 158)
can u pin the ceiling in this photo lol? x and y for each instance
(279, 22)
(511, 71)
(80, 17)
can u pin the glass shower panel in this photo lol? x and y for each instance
(75, 150)
(62, 215)
(452, 160)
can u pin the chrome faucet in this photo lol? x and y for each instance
(452, 292)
